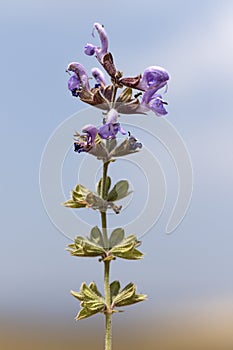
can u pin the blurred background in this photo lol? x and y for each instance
(187, 275)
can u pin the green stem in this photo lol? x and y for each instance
(103, 195)
(108, 313)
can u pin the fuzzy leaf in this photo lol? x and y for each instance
(107, 185)
(84, 313)
(127, 249)
(114, 289)
(94, 288)
(77, 295)
(130, 255)
(96, 236)
(126, 293)
(116, 237)
(136, 298)
(82, 190)
(89, 294)
(83, 247)
(72, 204)
(119, 191)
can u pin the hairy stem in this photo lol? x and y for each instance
(104, 195)
(108, 313)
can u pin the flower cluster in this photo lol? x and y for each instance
(104, 96)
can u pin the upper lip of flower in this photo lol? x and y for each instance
(103, 39)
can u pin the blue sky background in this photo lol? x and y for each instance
(193, 41)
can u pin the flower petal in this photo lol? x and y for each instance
(154, 77)
(99, 76)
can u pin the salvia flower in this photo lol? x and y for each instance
(154, 77)
(103, 49)
(111, 127)
(85, 142)
(80, 74)
(154, 102)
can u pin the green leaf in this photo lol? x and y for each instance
(82, 190)
(94, 305)
(114, 289)
(107, 185)
(136, 298)
(119, 191)
(126, 293)
(84, 313)
(127, 249)
(116, 237)
(96, 236)
(131, 255)
(128, 296)
(83, 247)
(89, 294)
(94, 288)
(77, 295)
(72, 204)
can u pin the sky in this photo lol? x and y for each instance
(193, 41)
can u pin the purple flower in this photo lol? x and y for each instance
(80, 78)
(154, 102)
(99, 51)
(110, 129)
(90, 49)
(99, 76)
(154, 77)
(74, 85)
(85, 142)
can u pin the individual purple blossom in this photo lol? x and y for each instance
(99, 51)
(154, 102)
(110, 129)
(99, 76)
(85, 142)
(80, 76)
(154, 77)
